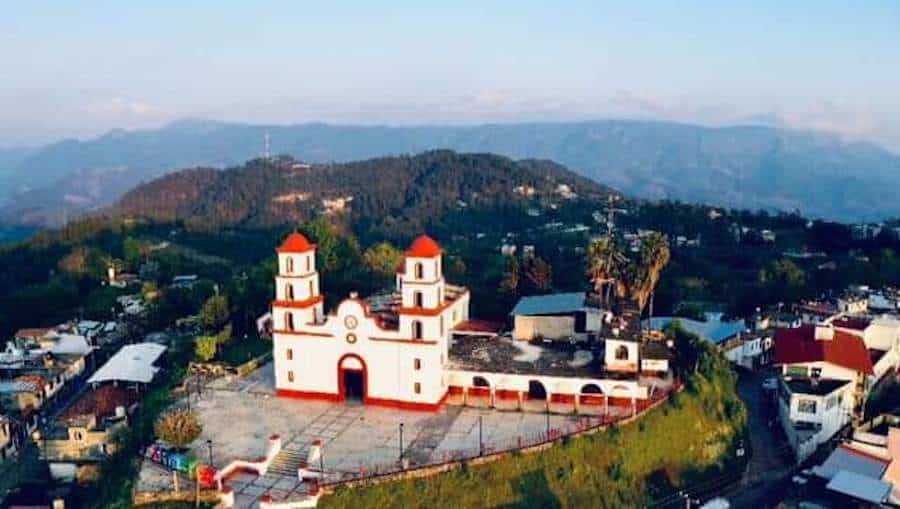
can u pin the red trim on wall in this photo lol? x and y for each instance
(480, 391)
(507, 394)
(298, 303)
(562, 398)
(408, 405)
(592, 399)
(303, 333)
(405, 341)
(455, 389)
(309, 395)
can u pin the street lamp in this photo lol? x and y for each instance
(209, 448)
(480, 436)
(401, 443)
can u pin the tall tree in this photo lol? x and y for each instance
(509, 285)
(538, 274)
(606, 265)
(653, 258)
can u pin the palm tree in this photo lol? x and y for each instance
(606, 266)
(654, 256)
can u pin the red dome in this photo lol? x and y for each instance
(424, 247)
(295, 243)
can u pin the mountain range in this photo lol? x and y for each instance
(819, 174)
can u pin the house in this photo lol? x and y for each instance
(133, 365)
(749, 351)
(866, 468)
(655, 357)
(817, 311)
(24, 394)
(556, 316)
(84, 434)
(820, 365)
(714, 328)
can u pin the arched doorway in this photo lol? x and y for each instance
(591, 389)
(536, 390)
(352, 379)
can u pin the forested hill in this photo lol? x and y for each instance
(395, 195)
(746, 167)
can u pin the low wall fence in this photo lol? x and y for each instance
(487, 453)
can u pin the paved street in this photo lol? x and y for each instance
(770, 461)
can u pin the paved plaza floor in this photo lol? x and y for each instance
(239, 416)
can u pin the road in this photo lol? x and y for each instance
(770, 462)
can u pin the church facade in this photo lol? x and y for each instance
(389, 349)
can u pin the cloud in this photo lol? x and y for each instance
(123, 106)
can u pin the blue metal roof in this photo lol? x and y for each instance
(713, 329)
(553, 304)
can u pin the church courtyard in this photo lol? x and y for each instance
(239, 416)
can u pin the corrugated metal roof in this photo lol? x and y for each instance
(861, 487)
(843, 458)
(713, 329)
(552, 304)
(132, 363)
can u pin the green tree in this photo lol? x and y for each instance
(178, 428)
(214, 314)
(509, 285)
(606, 265)
(382, 259)
(133, 251)
(325, 236)
(783, 279)
(538, 274)
(206, 347)
(654, 256)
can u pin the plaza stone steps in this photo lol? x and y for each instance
(287, 462)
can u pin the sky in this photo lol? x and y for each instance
(79, 69)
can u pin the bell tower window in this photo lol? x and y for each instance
(417, 330)
(289, 321)
(420, 271)
(308, 263)
(418, 300)
(289, 291)
(290, 264)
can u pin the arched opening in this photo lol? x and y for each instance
(290, 265)
(418, 300)
(352, 378)
(308, 263)
(622, 353)
(591, 389)
(480, 381)
(420, 271)
(311, 289)
(289, 321)
(417, 329)
(289, 291)
(536, 390)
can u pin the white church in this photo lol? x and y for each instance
(382, 352)
(395, 349)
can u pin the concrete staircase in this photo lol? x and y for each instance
(287, 462)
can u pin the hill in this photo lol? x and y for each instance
(745, 167)
(392, 195)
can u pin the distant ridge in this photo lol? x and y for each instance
(743, 166)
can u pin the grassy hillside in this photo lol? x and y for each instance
(688, 441)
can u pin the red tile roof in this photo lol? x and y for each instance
(101, 402)
(424, 247)
(295, 243)
(485, 326)
(799, 345)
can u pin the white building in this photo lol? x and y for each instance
(382, 352)
(416, 347)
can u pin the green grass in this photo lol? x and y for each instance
(685, 442)
(238, 351)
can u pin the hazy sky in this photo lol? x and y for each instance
(82, 68)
